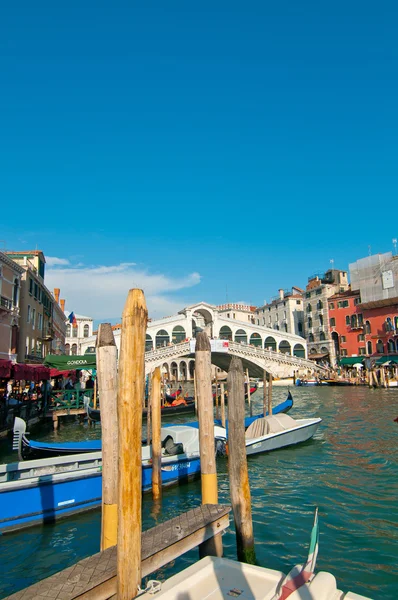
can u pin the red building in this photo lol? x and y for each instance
(346, 322)
(357, 329)
(381, 326)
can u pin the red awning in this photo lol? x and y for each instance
(57, 373)
(5, 368)
(30, 372)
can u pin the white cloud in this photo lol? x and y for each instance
(53, 261)
(101, 291)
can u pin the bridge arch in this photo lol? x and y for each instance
(162, 338)
(148, 343)
(299, 350)
(183, 370)
(241, 336)
(225, 333)
(270, 343)
(166, 371)
(173, 371)
(191, 369)
(285, 347)
(178, 335)
(255, 340)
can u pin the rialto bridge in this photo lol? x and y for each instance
(170, 344)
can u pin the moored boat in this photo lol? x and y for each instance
(43, 490)
(222, 579)
(30, 449)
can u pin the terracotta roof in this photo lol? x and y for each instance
(346, 294)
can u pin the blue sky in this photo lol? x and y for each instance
(204, 151)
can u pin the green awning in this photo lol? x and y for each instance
(70, 363)
(351, 360)
(387, 359)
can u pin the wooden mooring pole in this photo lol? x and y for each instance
(222, 404)
(156, 435)
(265, 392)
(208, 469)
(107, 383)
(248, 392)
(270, 394)
(237, 464)
(130, 397)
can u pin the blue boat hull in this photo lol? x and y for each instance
(41, 502)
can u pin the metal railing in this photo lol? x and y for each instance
(69, 399)
(5, 303)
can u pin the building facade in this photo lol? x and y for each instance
(320, 288)
(77, 336)
(284, 312)
(36, 331)
(346, 323)
(239, 312)
(10, 286)
(376, 280)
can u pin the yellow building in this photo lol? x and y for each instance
(10, 285)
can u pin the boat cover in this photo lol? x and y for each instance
(267, 425)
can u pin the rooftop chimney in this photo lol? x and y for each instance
(281, 294)
(62, 303)
(56, 294)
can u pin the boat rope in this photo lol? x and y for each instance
(152, 587)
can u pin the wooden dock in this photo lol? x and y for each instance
(94, 578)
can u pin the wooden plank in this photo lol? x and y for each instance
(94, 578)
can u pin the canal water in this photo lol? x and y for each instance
(349, 470)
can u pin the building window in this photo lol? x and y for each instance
(367, 329)
(300, 327)
(30, 286)
(74, 332)
(389, 326)
(74, 349)
(343, 352)
(331, 306)
(28, 317)
(360, 320)
(343, 304)
(309, 308)
(67, 334)
(86, 330)
(234, 315)
(379, 347)
(347, 320)
(332, 322)
(40, 321)
(356, 302)
(369, 347)
(390, 346)
(319, 305)
(308, 295)
(33, 317)
(343, 339)
(322, 336)
(298, 302)
(311, 337)
(309, 322)
(361, 337)
(361, 351)
(228, 315)
(318, 291)
(285, 327)
(320, 317)
(67, 349)
(354, 322)
(35, 290)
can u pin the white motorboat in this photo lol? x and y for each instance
(274, 432)
(222, 579)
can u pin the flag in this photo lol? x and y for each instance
(72, 319)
